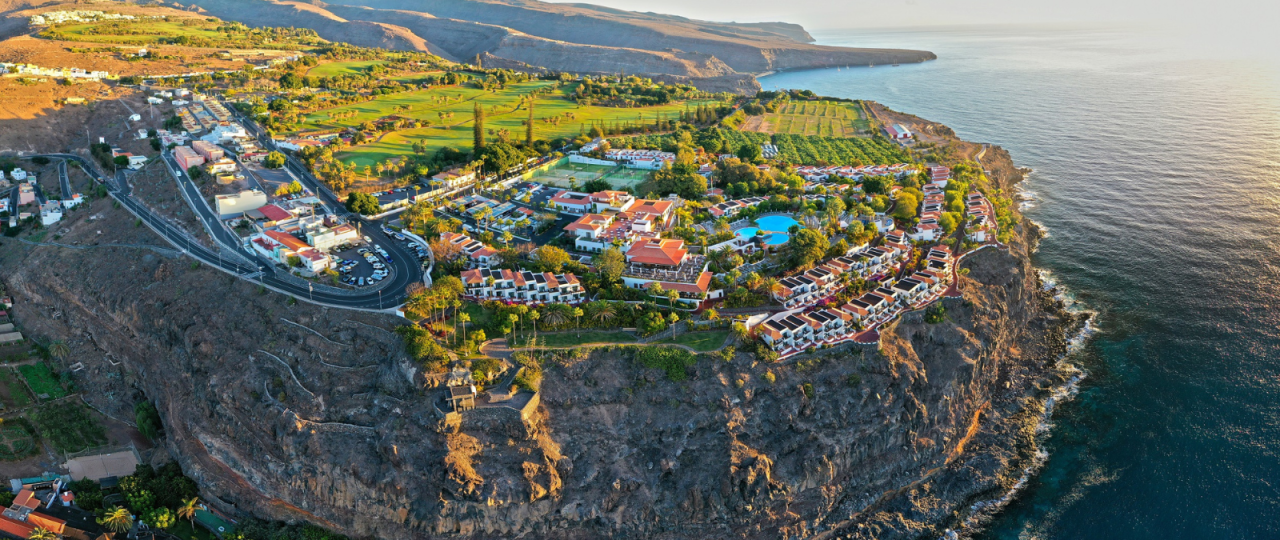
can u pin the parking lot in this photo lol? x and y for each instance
(354, 266)
(409, 244)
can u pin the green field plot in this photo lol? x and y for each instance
(573, 339)
(16, 441)
(816, 118)
(353, 67)
(448, 111)
(194, 32)
(13, 392)
(70, 426)
(42, 381)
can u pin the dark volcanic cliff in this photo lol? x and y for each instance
(297, 412)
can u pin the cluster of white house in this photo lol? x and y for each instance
(800, 328)
(817, 173)
(65, 73)
(982, 218)
(808, 288)
(58, 17)
(284, 235)
(523, 286)
(50, 211)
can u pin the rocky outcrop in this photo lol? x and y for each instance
(294, 412)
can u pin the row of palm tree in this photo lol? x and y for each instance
(119, 520)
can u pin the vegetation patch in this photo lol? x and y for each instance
(42, 381)
(70, 426)
(701, 341)
(674, 361)
(17, 439)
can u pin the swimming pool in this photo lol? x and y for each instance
(780, 224)
(770, 238)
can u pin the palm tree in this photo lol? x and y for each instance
(672, 296)
(59, 349)
(41, 533)
(464, 318)
(603, 311)
(535, 315)
(577, 326)
(457, 310)
(118, 520)
(673, 319)
(711, 315)
(188, 510)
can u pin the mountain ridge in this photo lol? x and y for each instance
(579, 38)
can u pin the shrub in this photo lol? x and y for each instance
(854, 380)
(935, 314)
(673, 360)
(808, 390)
(770, 378)
(148, 419)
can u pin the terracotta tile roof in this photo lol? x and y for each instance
(288, 240)
(649, 206)
(275, 213)
(664, 251)
(589, 222)
(26, 498)
(15, 527)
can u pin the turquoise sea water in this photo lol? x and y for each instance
(1157, 175)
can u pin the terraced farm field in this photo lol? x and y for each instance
(821, 118)
(448, 110)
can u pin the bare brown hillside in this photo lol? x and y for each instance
(565, 37)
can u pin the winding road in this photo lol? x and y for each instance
(262, 272)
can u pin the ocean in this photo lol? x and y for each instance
(1157, 176)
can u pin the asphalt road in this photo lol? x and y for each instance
(263, 273)
(64, 182)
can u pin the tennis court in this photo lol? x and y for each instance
(561, 175)
(626, 178)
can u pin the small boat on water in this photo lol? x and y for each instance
(895, 65)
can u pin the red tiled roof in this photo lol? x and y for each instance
(701, 287)
(15, 527)
(666, 251)
(26, 498)
(650, 206)
(288, 240)
(275, 213)
(589, 222)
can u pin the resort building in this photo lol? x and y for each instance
(477, 253)
(571, 202)
(522, 286)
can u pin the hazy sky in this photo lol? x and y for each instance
(1209, 16)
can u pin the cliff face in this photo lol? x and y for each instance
(297, 412)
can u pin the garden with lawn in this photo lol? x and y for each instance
(448, 110)
(349, 67)
(705, 341)
(44, 384)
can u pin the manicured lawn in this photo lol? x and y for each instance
(700, 341)
(503, 110)
(479, 316)
(569, 339)
(343, 68)
(42, 381)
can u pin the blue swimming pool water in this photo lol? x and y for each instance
(770, 238)
(776, 223)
